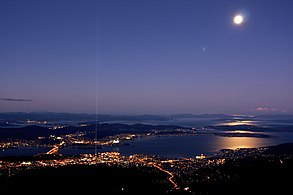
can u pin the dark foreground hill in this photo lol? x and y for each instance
(98, 179)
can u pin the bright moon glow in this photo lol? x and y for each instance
(238, 19)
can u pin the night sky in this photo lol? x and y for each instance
(146, 56)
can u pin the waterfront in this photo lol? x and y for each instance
(190, 146)
(168, 146)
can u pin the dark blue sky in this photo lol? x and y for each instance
(146, 56)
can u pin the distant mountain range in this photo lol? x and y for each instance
(103, 130)
(51, 116)
(42, 124)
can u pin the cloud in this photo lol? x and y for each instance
(15, 100)
(266, 109)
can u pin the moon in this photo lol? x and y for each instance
(238, 19)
